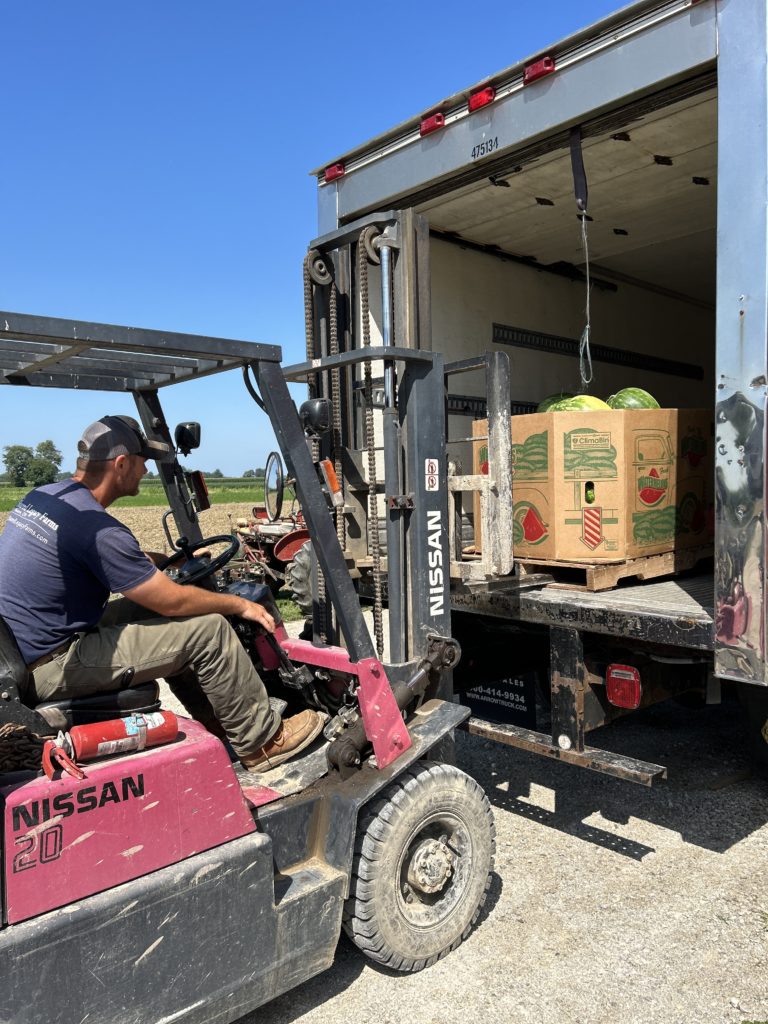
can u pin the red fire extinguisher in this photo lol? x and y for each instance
(102, 739)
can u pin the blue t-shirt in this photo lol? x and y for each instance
(61, 556)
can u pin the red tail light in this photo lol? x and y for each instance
(623, 687)
(432, 124)
(334, 171)
(538, 69)
(481, 98)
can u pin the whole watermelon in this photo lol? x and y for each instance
(632, 398)
(545, 405)
(579, 403)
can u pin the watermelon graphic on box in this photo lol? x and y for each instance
(528, 526)
(653, 458)
(652, 488)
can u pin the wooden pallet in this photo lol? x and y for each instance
(604, 575)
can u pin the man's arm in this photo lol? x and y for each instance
(160, 594)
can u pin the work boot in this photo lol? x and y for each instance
(293, 735)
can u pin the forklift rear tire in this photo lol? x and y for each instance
(422, 867)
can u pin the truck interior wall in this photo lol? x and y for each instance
(472, 291)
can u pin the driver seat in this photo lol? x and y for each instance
(69, 711)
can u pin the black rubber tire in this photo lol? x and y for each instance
(298, 578)
(428, 802)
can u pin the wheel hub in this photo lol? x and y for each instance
(431, 866)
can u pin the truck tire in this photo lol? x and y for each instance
(298, 577)
(422, 866)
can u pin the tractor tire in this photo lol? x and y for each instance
(422, 867)
(298, 578)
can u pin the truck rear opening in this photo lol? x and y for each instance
(609, 188)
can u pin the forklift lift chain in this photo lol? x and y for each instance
(333, 324)
(365, 253)
(368, 237)
(312, 261)
(318, 270)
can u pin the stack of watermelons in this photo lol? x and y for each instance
(627, 398)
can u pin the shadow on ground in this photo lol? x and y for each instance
(705, 751)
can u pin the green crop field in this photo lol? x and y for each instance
(222, 491)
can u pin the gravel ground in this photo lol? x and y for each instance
(610, 902)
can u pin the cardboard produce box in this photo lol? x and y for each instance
(601, 486)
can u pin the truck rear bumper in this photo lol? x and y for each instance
(627, 768)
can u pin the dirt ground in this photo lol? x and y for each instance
(610, 903)
(147, 524)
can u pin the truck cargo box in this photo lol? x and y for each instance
(597, 486)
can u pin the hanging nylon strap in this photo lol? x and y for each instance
(581, 191)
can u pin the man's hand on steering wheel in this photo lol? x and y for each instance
(199, 566)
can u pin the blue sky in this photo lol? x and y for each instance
(155, 166)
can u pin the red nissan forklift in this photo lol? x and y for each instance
(166, 883)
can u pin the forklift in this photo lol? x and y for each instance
(167, 883)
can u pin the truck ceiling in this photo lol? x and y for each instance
(652, 203)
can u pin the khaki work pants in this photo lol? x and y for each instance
(200, 658)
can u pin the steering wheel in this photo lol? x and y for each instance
(201, 567)
(274, 486)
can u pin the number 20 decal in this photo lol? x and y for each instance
(42, 848)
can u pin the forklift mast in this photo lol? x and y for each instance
(369, 350)
(387, 443)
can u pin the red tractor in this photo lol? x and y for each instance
(275, 539)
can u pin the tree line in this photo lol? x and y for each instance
(34, 467)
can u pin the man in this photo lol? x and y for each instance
(62, 555)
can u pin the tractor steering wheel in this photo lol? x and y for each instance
(201, 567)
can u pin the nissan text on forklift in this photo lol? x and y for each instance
(146, 875)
